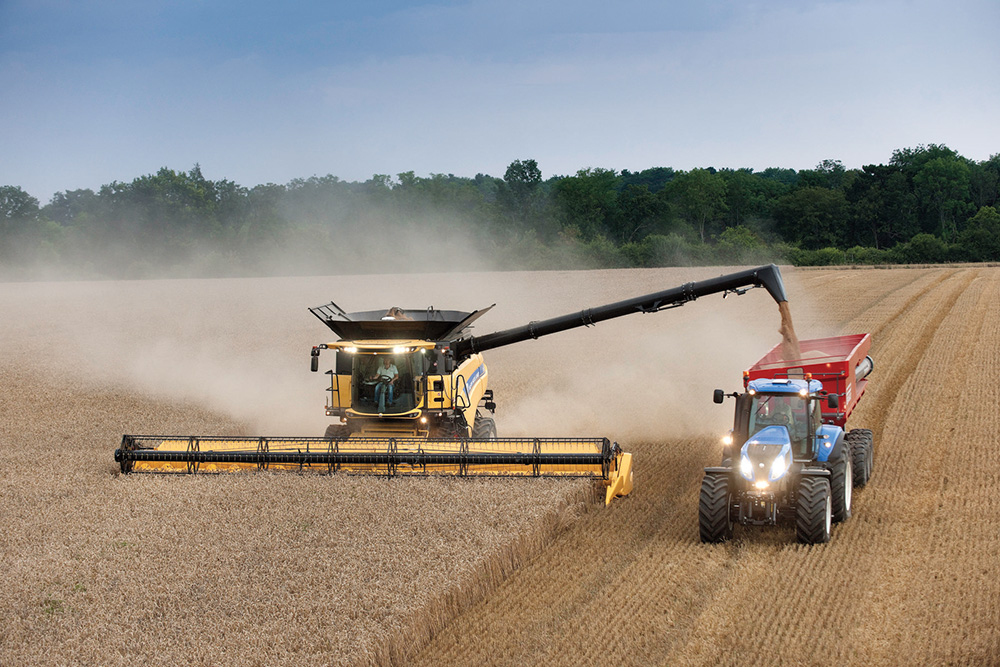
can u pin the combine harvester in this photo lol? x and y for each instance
(430, 410)
(793, 462)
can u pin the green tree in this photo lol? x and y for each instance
(588, 201)
(640, 213)
(519, 192)
(16, 204)
(18, 218)
(942, 186)
(701, 195)
(812, 216)
(980, 240)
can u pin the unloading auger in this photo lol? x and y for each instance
(408, 391)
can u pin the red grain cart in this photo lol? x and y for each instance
(841, 363)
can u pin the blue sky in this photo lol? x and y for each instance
(101, 90)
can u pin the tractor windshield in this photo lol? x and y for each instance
(788, 410)
(386, 383)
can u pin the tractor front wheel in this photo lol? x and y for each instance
(715, 522)
(814, 513)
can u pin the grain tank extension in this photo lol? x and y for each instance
(409, 394)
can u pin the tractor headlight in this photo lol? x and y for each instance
(778, 468)
(727, 439)
(746, 468)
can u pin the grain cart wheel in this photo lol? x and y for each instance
(870, 444)
(861, 460)
(484, 428)
(714, 519)
(814, 513)
(842, 484)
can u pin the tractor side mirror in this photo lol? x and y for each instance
(719, 396)
(833, 401)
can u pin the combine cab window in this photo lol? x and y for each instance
(786, 410)
(404, 395)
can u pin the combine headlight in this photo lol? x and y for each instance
(350, 350)
(746, 468)
(778, 468)
(399, 349)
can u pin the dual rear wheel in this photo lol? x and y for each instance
(862, 448)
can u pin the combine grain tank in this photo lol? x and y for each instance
(788, 458)
(408, 395)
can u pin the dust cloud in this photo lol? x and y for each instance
(637, 378)
(240, 346)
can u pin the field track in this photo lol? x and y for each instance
(912, 578)
(288, 569)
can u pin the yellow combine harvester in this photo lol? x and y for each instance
(409, 392)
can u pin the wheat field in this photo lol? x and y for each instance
(279, 568)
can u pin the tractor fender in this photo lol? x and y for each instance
(831, 442)
(718, 470)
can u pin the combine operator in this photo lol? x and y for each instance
(386, 376)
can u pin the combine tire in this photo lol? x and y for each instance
(336, 432)
(714, 520)
(860, 441)
(842, 484)
(484, 428)
(814, 513)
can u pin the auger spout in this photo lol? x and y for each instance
(768, 277)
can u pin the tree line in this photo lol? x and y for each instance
(927, 204)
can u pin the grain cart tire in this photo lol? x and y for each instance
(715, 522)
(484, 428)
(842, 485)
(861, 460)
(336, 432)
(814, 512)
(870, 443)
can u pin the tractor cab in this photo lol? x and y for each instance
(787, 404)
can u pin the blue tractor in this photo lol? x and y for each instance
(788, 458)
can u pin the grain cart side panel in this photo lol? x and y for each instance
(834, 361)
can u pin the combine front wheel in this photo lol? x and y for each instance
(484, 428)
(814, 514)
(714, 519)
(336, 432)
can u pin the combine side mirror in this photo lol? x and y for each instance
(314, 362)
(833, 401)
(719, 396)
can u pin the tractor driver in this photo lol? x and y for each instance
(386, 376)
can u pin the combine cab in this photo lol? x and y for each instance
(788, 458)
(408, 395)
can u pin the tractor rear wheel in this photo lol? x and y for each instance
(715, 522)
(814, 512)
(860, 441)
(842, 484)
